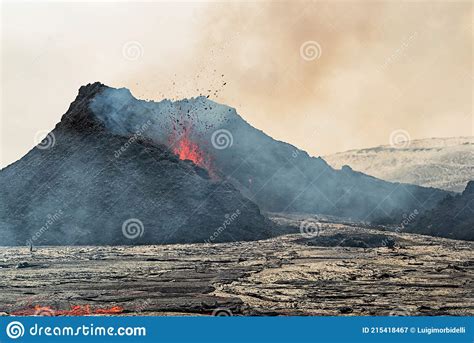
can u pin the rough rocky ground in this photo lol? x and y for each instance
(286, 275)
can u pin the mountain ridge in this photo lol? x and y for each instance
(277, 175)
(77, 191)
(445, 163)
(167, 152)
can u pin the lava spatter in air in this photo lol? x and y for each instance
(185, 142)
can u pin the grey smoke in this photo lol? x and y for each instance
(277, 175)
(176, 199)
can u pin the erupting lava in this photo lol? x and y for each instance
(187, 149)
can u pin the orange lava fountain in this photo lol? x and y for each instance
(187, 149)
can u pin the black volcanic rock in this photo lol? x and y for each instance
(274, 174)
(78, 117)
(111, 163)
(452, 218)
(469, 191)
(358, 240)
(92, 186)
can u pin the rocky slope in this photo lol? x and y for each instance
(446, 163)
(86, 185)
(452, 218)
(117, 170)
(276, 175)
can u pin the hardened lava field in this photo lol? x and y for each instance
(287, 275)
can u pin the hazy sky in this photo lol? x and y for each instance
(324, 76)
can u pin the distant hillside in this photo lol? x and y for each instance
(452, 218)
(446, 163)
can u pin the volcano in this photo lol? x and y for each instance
(277, 176)
(85, 185)
(118, 170)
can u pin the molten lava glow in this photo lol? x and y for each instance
(188, 150)
(76, 310)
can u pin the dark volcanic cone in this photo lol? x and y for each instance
(176, 172)
(88, 185)
(276, 175)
